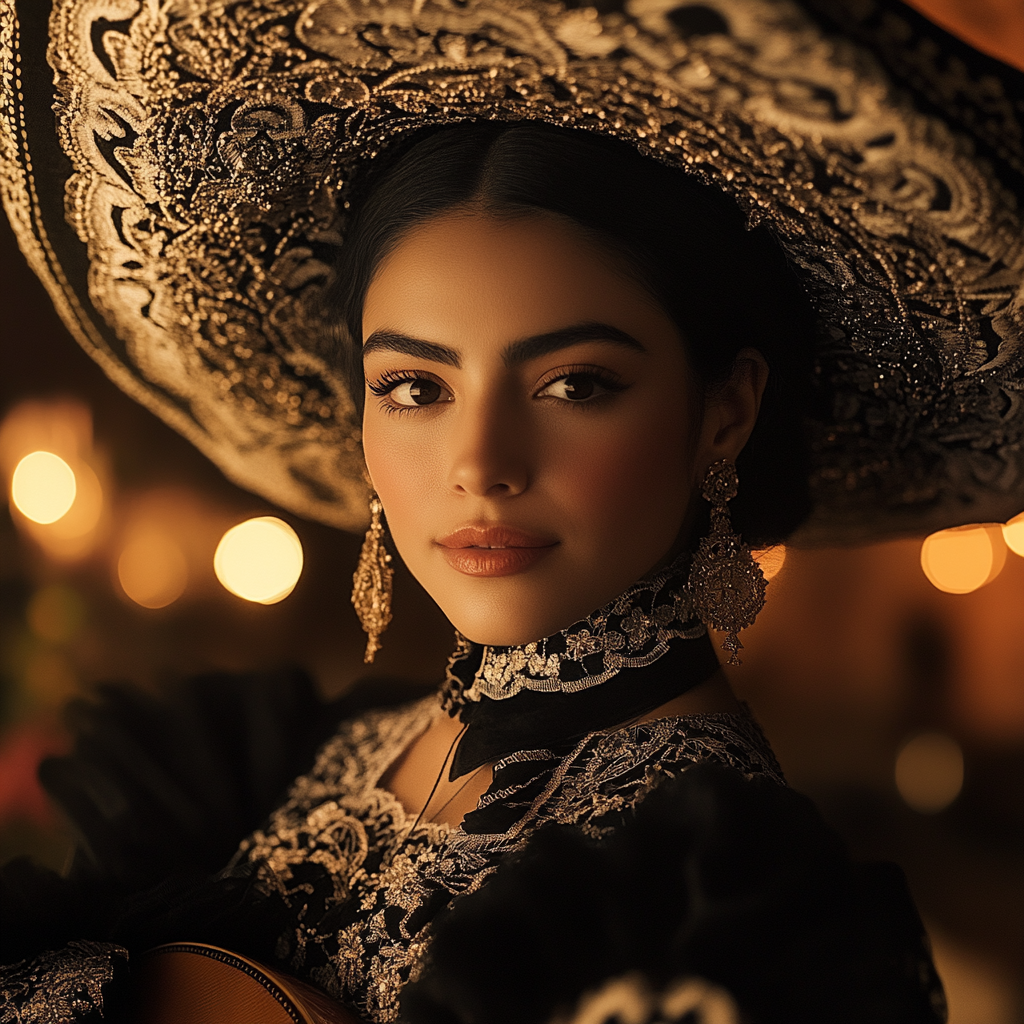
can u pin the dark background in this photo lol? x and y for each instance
(854, 653)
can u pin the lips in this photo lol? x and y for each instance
(493, 550)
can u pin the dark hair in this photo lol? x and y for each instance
(724, 285)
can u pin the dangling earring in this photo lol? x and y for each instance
(371, 583)
(726, 582)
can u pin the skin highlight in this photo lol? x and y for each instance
(526, 394)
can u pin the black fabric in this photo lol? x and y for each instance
(532, 720)
(160, 791)
(734, 880)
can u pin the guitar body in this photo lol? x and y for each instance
(194, 983)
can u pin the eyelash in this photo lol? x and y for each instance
(391, 379)
(387, 382)
(606, 379)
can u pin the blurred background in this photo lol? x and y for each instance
(889, 678)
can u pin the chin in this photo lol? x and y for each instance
(498, 628)
(500, 613)
(520, 608)
(515, 610)
(502, 637)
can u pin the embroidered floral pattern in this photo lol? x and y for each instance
(60, 985)
(214, 147)
(364, 884)
(632, 631)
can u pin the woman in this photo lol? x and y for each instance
(523, 388)
(589, 382)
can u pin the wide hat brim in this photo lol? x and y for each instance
(178, 175)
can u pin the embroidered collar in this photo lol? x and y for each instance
(633, 631)
(627, 658)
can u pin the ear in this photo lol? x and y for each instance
(730, 411)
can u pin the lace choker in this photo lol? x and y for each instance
(625, 659)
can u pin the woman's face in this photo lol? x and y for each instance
(529, 421)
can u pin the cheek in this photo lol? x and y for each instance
(405, 469)
(632, 474)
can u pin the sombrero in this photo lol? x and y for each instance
(178, 173)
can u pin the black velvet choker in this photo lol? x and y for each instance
(627, 658)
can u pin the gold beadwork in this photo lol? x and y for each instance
(371, 583)
(726, 582)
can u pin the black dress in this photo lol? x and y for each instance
(363, 885)
(663, 850)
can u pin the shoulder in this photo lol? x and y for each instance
(730, 738)
(613, 770)
(162, 785)
(716, 876)
(366, 742)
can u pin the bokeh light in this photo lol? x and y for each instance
(152, 568)
(771, 559)
(43, 487)
(930, 772)
(60, 429)
(259, 560)
(75, 534)
(61, 426)
(1013, 534)
(84, 513)
(964, 558)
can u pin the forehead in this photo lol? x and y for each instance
(472, 278)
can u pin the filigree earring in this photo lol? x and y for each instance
(371, 583)
(726, 582)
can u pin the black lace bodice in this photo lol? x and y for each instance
(363, 884)
(338, 885)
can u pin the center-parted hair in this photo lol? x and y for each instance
(725, 286)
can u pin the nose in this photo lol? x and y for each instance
(490, 451)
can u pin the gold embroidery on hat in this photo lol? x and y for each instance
(213, 158)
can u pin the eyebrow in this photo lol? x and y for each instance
(517, 352)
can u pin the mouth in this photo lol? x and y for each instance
(493, 550)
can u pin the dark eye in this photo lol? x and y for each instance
(576, 387)
(418, 391)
